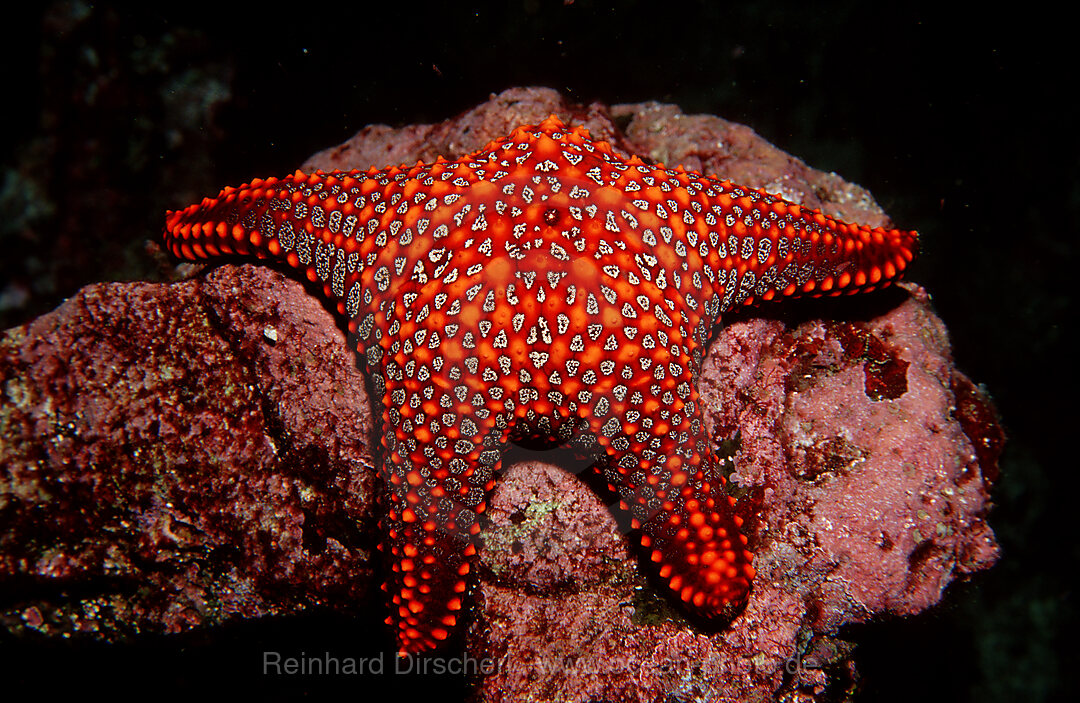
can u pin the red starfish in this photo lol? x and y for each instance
(542, 287)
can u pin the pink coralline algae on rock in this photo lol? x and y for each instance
(202, 449)
(157, 435)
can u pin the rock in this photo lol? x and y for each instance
(177, 457)
(158, 445)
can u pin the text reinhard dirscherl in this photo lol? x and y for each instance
(326, 664)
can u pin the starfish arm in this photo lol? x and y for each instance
(772, 249)
(441, 453)
(661, 464)
(311, 222)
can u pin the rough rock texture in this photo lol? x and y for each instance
(163, 450)
(180, 456)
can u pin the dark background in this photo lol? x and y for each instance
(962, 123)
